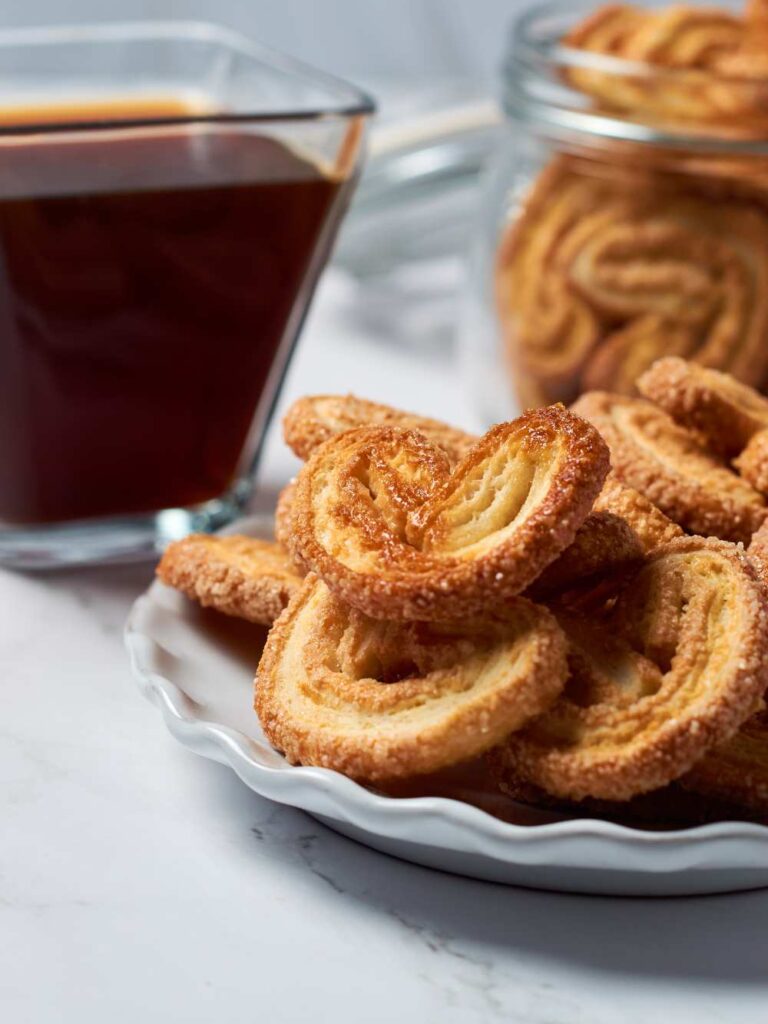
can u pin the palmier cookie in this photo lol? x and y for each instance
(312, 420)
(240, 576)
(379, 515)
(380, 700)
(717, 60)
(284, 524)
(752, 463)
(758, 552)
(737, 770)
(673, 670)
(649, 524)
(604, 542)
(673, 806)
(284, 513)
(722, 409)
(665, 462)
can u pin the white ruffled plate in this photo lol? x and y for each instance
(197, 667)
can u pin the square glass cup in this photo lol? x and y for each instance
(169, 193)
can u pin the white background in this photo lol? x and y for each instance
(366, 40)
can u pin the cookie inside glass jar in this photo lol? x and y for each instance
(630, 218)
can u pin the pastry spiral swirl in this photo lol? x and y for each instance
(671, 671)
(736, 771)
(380, 700)
(600, 275)
(380, 516)
(727, 413)
(732, 417)
(240, 576)
(314, 419)
(710, 65)
(648, 523)
(665, 462)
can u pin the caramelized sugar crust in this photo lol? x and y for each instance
(380, 516)
(604, 542)
(673, 667)
(312, 420)
(241, 576)
(607, 269)
(666, 463)
(737, 770)
(382, 700)
(724, 411)
(649, 524)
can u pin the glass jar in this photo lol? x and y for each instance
(169, 193)
(625, 215)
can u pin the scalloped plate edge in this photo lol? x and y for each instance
(590, 843)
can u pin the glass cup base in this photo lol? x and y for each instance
(114, 540)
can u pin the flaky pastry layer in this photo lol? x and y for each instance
(380, 700)
(380, 516)
(603, 272)
(240, 576)
(725, 411)
(736, 771)
(665, 462)
(672, 670)
(312, 420)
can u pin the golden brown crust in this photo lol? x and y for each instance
(758, 552)
(605, 541)
(716, 58)
(380, 517)
(603, 273)
(283, 514)
(752, 464)
(726, 412)
(671, 671)
(649, 524)
(624, 355)
(736, 771)
(312, 420)
(663, 461)
(378, 700)
(549, 330)
(240, 576)
(671, 807)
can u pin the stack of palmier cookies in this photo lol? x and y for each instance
(578, 596)
(621, 253)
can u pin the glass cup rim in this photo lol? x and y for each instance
(534, 58)
(344, 99)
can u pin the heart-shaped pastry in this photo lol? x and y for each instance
(381, 517)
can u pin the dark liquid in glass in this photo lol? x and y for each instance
(138, 325)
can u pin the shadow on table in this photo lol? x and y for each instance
(718, 938)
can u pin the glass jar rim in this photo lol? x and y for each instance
(535, 90)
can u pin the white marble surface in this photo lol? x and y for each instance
(140, 883)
